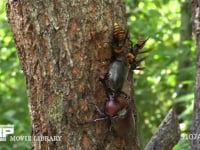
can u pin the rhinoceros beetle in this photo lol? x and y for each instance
(120, 66)
(117, 105)
(117, 102)
(116, 75)
(114, 107)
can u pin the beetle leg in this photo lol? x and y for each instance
(126, 95)
(140, 68)
(100, 119)
(140, 60)
(104, 78)
(139, 45)
(115, 116)
(142, 42)
(135, 64)
(100, 113)
(145, 51)
(98, 109)
(122, 92)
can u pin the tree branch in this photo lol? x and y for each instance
(167, 135)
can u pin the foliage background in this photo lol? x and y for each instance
(156, 88)
(13, 99)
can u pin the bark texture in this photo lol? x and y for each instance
(62, 47)
(195, 128)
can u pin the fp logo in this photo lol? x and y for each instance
(5, 130)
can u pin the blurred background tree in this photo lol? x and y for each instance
(167, 80)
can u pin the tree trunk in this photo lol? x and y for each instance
(63, 47)
(185, 51)
(195, 128)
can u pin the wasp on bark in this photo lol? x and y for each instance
(119, 38)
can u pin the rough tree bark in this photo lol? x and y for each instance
(195, 128)
(63, 47)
